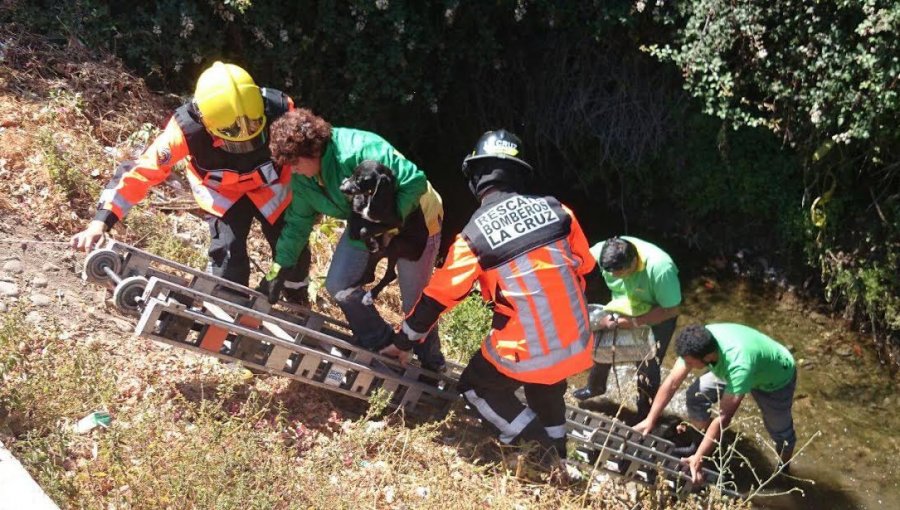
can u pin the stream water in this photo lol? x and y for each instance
(844, 409)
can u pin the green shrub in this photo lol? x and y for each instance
(63, 168)
(153, 232)
(464, 328)
(68, 383)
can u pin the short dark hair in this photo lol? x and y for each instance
(617, 253)
(298, 134)
(695, 341)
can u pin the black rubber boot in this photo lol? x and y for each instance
(596, 383)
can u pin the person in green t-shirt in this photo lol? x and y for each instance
(741, 360)
(644, 276)
(321, 157)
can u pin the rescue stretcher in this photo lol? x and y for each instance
(199, 312)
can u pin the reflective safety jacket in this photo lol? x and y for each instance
(217, 178)
(529, 256)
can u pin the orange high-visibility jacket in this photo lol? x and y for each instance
(529, 256)
(217, 178)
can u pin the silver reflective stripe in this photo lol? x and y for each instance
(213, 179)
(556, 431)
(539, 362)
(296, 285)
(205, 195)
(561, 254)
(519, 297)
(541, 300)
(508, 430)
(108, 195)
(268, 173)
(279, 193)
(411, 333)
(122, 202)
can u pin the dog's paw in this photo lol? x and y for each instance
(367, 299)
(344, 295)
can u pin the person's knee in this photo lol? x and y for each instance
(334, 287)
(218, 254)
(785, 437)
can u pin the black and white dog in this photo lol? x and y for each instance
(375, 221)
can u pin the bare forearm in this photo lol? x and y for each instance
(710, 438)
(655, 316)
(663, 396)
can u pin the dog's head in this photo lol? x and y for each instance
(371, 191)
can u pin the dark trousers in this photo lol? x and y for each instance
(648, 377)
(492, 395)
(228, 256)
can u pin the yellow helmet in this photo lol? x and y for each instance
(230, 103)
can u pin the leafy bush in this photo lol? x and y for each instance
(464, 328)
(64, 172)
(823, 76)
(155, 232)
(67, 383)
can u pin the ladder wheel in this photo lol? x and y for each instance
(99, 259)
(127, 296)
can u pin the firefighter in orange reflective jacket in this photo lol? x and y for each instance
(529, 257)
(222, 135)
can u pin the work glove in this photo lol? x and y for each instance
(274, 281)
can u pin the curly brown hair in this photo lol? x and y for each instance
(298, 134)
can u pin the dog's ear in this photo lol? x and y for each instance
(386, 185)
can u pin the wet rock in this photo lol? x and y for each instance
(9, 289)
(41, 300)
(40, 281)
(13, 266)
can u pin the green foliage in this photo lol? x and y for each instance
(464, 328)
(600, 117)
(822, 75)
(69, 384)
(869, 286)
(153, 232)
(63, 170)
(735, 177)
(826, 70)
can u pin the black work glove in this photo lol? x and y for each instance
(274, 281)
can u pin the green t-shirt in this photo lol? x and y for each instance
(654, 283)
(322, 194)
(750, 360)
